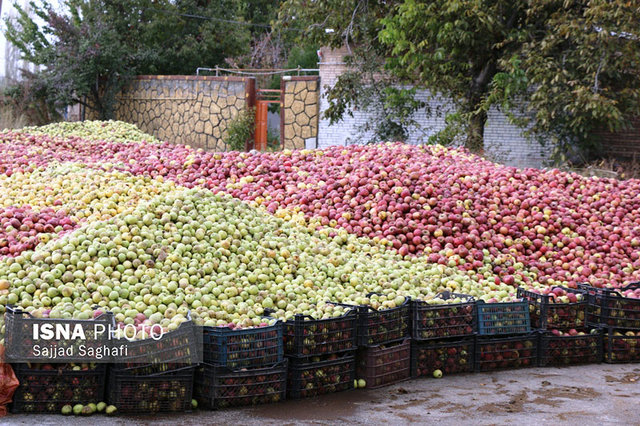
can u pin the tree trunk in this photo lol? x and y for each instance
(477, 114)
(475, 134)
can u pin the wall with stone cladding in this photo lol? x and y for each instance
(188, 110)
(300, 97)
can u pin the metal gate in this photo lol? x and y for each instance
(264, 98)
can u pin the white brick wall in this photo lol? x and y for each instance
(503, 141)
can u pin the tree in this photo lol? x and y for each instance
(187, 34)
(355, 24)
(572, 65)
(94, 47)
(578, 75)
(87, 58)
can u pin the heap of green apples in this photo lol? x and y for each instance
(220, 259)
(116, 131)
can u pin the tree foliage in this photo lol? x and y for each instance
(89, 49)
(86, 58)
(559, 68)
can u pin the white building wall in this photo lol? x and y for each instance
(10, 62)
(504, 142)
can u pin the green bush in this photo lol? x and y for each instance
(241, 129)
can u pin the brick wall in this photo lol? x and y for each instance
(624, 144)
(504, 142)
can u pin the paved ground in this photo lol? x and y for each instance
(590, 395)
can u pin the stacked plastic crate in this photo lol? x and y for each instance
(505, 339)
(442, 332)
(321, 354)
(617, 311)
(155, 374)
(565, 336)
(45, 386)
(242, 366)
(384, 346)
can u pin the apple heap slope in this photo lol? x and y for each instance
(115, 131)
(221, 259)
(425, 200)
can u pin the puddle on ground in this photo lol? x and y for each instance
(325, 407)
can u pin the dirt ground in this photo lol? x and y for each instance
(587, 395)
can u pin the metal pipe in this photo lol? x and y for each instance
(256, 71)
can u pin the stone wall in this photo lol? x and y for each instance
(189, 110)
(300, 111)
(504, 142)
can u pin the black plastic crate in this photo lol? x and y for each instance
(608, 307)
(376, 327)
(21, 346)
(245, 348)
(450, 357)
(503, 318)
(305, 336)
(320, 375)
(621, 346)
(545, 314)
(443, 320)
(49, 387)
(219, 387)
(167, 392)
(559, 350)
(384, 365)
(500, 353)
(175, 350)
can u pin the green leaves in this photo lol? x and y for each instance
(560, 69)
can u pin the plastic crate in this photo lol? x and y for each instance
(168, 392)
(20, 344)
(218, 387)
(320, 375)
(305, 336)
(570, 350)
(499, 353)
(545, 314)
(621, 347)
(503, 318)
(609, 308)
(376, 327)
(246, 348)
(450, 357)
(443, 321)
(385, 364)
(175, 350)
(51, 386)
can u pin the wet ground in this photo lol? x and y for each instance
(588, 395)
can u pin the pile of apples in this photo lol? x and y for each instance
(160, 229)
(22, 228)
(111, 130)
